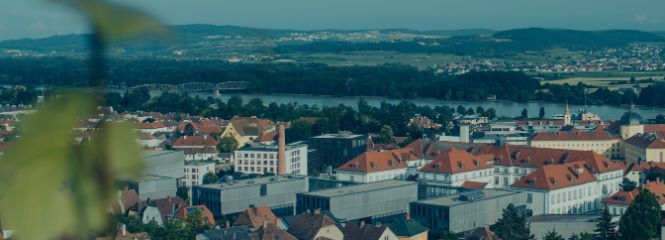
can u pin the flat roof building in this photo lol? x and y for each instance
(234, 196)
(333, 150)
(465, 211)
(374, 202)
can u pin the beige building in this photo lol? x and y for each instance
(598, 140)
(645, 147)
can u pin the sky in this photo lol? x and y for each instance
(41, 18)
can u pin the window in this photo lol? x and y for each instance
(529, 198)
(264, 190)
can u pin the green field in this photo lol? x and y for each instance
(611, 80)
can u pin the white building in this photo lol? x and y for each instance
(261, 159)
(376, 166)
(455, 167)
(196, 170)
(569, 188)
(618, 203)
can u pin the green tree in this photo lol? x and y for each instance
(189, 130)
(628, 185)
(227, 145)
(183, 192)
(642, 218)
(605, 228)
(299, 130)
(525, 114)
(541, 113)
(386, 135)
(490, 113)
(512, 226)
(553, 235)
(210, 177)
(582, 236)
(449, 236)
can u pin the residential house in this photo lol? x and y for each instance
(189, 211)
(406, 228)
(256, 217)
(362, 231)
(313, 225)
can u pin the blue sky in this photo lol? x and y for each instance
(39, 18)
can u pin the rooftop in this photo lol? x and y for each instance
(343, 135)
(564, 218)
(271, 147)
(375, 186)
(230, 184)
(454, 200)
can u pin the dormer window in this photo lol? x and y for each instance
(460, 165)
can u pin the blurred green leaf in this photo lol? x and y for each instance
(114, 22)
(35, 172)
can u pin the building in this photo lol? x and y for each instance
(362, 231)
(164, 163)
(407, 228)
(456, 167)
(262, 159)
(482, 233)
(256, 217)
(376, 166)
(204, 141)
(618, 203)
(333, 150)
(155, 186)
(247, 129)
(564, 224)
(465, 211)
(201, 154)
(231, 233)
(196, 170)
(562, 189)
(186, 212)
(313, 225)
(648, 147)
(374, 202)
(234, 196)
(598, 140)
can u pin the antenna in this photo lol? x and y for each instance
(585, 105)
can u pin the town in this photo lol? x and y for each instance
(245, 178)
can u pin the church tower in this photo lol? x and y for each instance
(567, 118)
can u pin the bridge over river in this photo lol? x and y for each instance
(215, 88)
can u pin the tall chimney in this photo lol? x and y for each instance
(281, 151)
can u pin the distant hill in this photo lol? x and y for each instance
(540, 38)
(211, 40)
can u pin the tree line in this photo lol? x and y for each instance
(389, 80)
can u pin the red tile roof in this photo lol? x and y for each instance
(205, 141)
(379, 161)
(625, 198)
(474, 185)
(654, 128)
(185, 212)
(256, 217)
(152, 125)
(533, 157)
(595, 135)
(647, 140)
(551, 177)
(167, 205)
(457, 161)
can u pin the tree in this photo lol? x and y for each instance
(227, 145)
(582, 236)
(386, 135)
(553, 235)
(490, 113)
(627, 185)
(512, 226)
(189, 130)
(183, 192)
(642, 218)
(449, 236)
(525, 114)
(541, 113)
(210, 177)
(605, 228)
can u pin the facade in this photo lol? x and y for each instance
(376, 166)
(155, 187)
(564, 224)
(233, 197)
(196, 170)
(262, 159)
(466, 211)
(333, 150)
(456, 167)
(374, 202)
(164, 163)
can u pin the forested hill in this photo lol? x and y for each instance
(211, 40)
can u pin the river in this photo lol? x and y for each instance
(503, 108)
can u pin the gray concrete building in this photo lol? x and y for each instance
(564, 224)
(465, 211)
(372, 202)
(164, 163)
(231, 197)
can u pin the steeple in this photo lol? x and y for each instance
(567, 118)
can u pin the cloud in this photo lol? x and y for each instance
(643, 18)
(40, 25)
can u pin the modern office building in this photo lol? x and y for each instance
(465, 211)
(234, 196)
(164, 163)
(372, 202)
(195, 171)
(333, 150)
